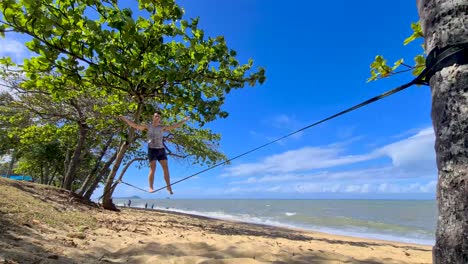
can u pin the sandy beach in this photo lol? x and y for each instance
(150, 236)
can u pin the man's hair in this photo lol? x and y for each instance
(157, 112)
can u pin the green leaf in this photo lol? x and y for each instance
(3, 27)
(420, 61)
(6, 61)
(397, 64)
(373, 76)
(417, 33)
(143, 23)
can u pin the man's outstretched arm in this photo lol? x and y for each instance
(132, 124)
(176, 125)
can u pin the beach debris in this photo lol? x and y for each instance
(83, 228)
(69, 243)
(7, 261)
(54, 256)
(76, 235)
(104, 259)
(28, 225)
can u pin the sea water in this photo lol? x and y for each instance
(411, 221)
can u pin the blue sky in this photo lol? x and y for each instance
(317, 56)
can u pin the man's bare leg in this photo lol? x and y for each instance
(166, 175)
(151, 175)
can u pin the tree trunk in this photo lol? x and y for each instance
(46, 175)
(75, 160)
(94, 172)
(51, 180)
(444, 23)
(66, 162)
(110, 187)
(124, 170)
(99, 177)
(11, 164)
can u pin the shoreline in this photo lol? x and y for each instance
(285, 243)
(325, 231)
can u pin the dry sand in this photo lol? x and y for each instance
(151, 236)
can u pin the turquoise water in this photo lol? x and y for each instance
(411, 221)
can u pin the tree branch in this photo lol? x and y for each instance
(123, 172)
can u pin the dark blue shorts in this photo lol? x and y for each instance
(157, 154)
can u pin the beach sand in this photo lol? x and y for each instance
(137, 236)
(150, 236)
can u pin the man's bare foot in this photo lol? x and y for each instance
(151, 190)
(169, 189)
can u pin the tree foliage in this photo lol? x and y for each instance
(95, 60)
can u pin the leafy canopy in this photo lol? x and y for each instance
(129, 59)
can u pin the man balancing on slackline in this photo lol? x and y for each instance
(156, 150)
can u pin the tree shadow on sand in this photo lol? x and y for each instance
(16, 245)
(203, 253)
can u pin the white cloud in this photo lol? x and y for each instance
(332, 188)
(307, 158)
(415, 153)
(387, 188)
(282, 123)
(364, 188)
(308, 187)
(412, 156)
(428, 187)
(13, 48)
(278, 178)
(16, 50)
(324, 187)
(410, 169)
(273, 189)
(363, 174)
(281, 120)
(320, 187)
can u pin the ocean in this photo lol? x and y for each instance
(411, 221)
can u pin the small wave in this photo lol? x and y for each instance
(342, 230)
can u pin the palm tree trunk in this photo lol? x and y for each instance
(444, 23)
